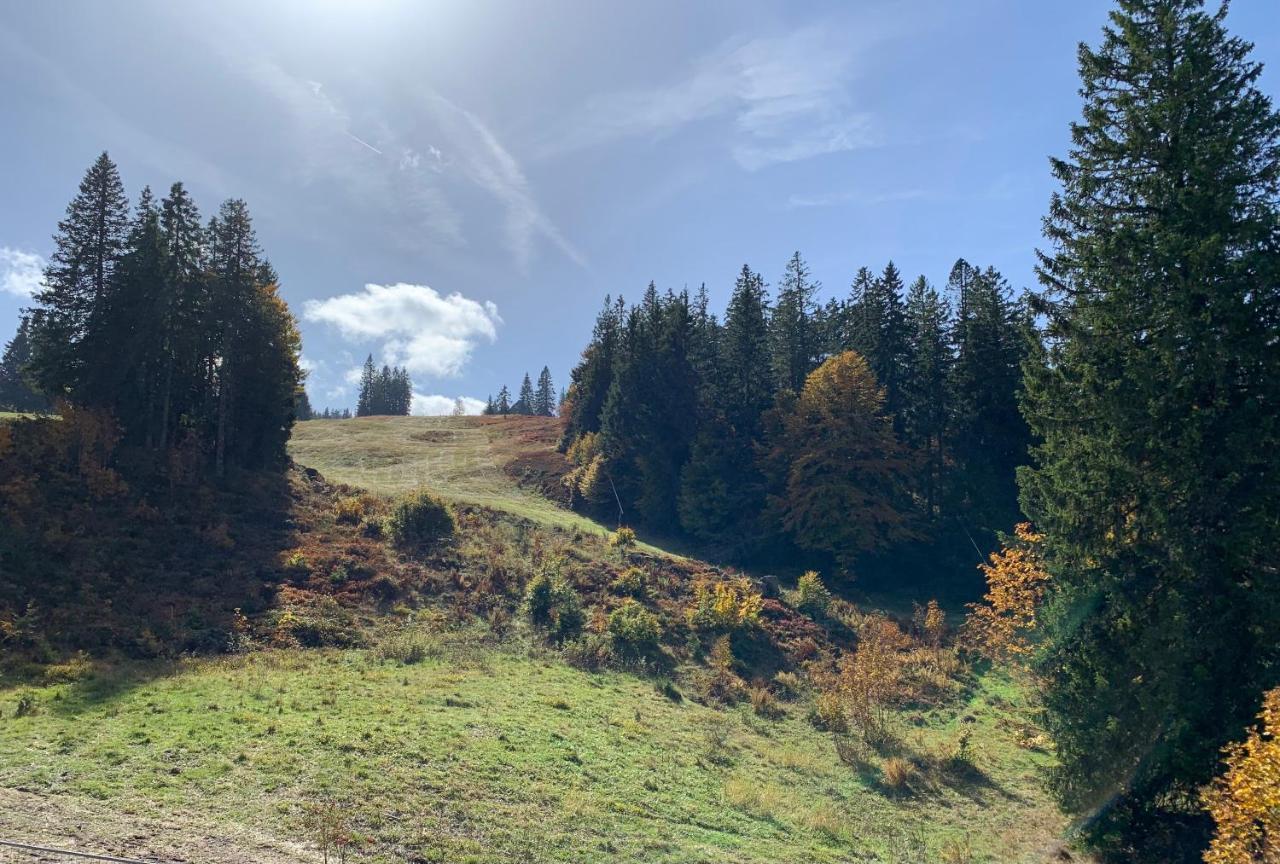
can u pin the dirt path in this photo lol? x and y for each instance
(76, 824)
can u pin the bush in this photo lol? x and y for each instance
(635, 628)
(828, 713)
(812, 597)
(348, 511)
(897, 773)
(763, 703)
(553, 606)
(725, 606)
(623, 540)
(591, 651)
(420, 520)
(788, 685)
(407, 647)
(630, 583)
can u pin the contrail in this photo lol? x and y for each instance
(362, 141)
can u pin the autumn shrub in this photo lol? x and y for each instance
(631, 582)
(624, 540)
(1244, 801)
(930, 622)
(724, 606)
(764, 704)
(419, 520)
(1000, 627)
(349, 510)
(811, 596)
(552, 605)
(788, 685)
(635, 629)
(407, 646)
(897, 773)
(828, 714)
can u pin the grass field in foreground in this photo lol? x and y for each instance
(488, 754)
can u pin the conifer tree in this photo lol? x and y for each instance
(1155, 484)
(504, 401)
(16, 392)
(525, 403)
(90, 242)
(792, 333)
(925, 402)
(590, 380)
(544, 400)
(368, 375)
(876, 329)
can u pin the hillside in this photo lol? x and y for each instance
(402, 706)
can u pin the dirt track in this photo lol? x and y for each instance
(57, 821)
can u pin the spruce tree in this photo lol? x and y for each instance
(1157, 401)
(185, 341)
(16, 392)
(525, 403)
(368, 375)
(925, 403)
(544, 400)
(792, 337)
(90, 242)
(504, 401)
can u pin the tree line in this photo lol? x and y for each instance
(173, 325)
(680, 421)
(539, 402)
(388, 391)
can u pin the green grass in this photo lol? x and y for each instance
(484, 754)
(452, 456)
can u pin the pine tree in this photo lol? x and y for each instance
(875, 322)
(368, 376)
(504, 401)
(90, 242)
(792, 336)
(544, 400)
(989, 437)
(593, 376)
(16, 392)
(1156, 400)
(722, 490)
(185, 341)
(925, 402)
(525, 403)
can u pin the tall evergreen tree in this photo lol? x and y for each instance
(925, 403)
(90, 242)
(368, 377)
(504, 401)
(1158, 403)
(722, 490)
(792, 337)
(16, 392)
(989, 437)
(544, 399)
(590, 380)
(525, 404)
(875, 322)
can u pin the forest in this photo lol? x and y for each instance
(1084, 474)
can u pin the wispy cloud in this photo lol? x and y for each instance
(417, 327)
(412, 165)
(788, 97)
(20, 272)
(836, 199)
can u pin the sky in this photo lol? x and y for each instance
(455, 185)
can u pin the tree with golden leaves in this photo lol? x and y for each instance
(840, 473)
(1000, 626)
(1245, 801)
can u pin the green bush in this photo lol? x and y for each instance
(630, 583)
(419, 520)
(591, 651)
(635, 628)
(811, 595)
(553, 606)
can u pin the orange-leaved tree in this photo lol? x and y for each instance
(1245, 801)
(1000, 626)
(840, 473)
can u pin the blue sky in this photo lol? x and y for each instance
(456, 185)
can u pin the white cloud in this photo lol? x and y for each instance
(436, 405)
(419, 329)
(788, 97)
(20, 272)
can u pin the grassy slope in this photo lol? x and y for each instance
(490, 752)
(495, 755)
